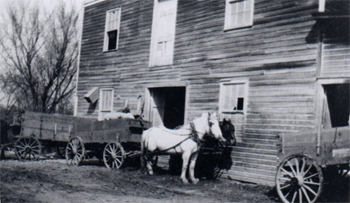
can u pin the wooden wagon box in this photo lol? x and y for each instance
(52, 127)
(327, 146)
(117, 130)
(63, 127)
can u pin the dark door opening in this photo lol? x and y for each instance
(170, 104)
(338, 98)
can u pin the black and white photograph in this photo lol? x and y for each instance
(153, 101)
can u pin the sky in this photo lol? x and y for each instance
(47, 4)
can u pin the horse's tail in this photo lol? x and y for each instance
(143, 149)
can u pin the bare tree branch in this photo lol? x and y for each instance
(40, 54)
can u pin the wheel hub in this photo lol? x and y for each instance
(28, 150)
(74, 150)
(114, 155)
(300, 181)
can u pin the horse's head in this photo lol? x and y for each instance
(208, 124)
(228, 131)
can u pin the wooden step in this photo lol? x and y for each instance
(243, 163)
(253, 155)
(255, 150)
(261, 136)
(259, 140)
(254, 160)
(249, 169)
(256, 145)
(244, 176)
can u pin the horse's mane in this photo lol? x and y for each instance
(183, 130)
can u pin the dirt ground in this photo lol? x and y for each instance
(51, 180)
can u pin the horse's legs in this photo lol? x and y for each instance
(149, 164)
(192, 165)
(185, 158)
(143, 163)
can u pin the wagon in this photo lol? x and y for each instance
(77, 138)
(306, 158)
(110, 140)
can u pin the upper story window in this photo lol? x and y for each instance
(233, 96)
(163, 32)
(112, 30)
(239, 13)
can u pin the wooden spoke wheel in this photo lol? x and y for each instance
(28, 148)
(113, 155)
(299, 179)
(75, 151)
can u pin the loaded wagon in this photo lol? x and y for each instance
(305, 160)
(77, 138)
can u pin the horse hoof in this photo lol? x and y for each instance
(150, 173)
(195, 181)
(184, 181)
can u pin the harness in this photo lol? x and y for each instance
(194, 136)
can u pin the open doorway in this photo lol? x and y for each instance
(167, 106)
(336, 107)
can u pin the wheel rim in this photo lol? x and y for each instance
(28, 148)
(113, 155)
(299, 179)
(75, 151)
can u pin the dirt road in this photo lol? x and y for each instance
(52, 180)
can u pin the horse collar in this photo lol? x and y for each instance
(194, 134)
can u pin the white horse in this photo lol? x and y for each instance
(186, 141)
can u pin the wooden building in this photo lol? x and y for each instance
(268, 65)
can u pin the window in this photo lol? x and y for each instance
(163, 32)
(239, 13)
(233, 97)
(106, 100)
(112, 30)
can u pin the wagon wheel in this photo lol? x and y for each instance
(75, 151)
(113, 155)
(299, 179)
(28, 148)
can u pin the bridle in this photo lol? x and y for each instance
(194, 133)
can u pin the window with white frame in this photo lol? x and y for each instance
(163, 32)
(238, 13)
(233, 97)
(112, 30)
(106, 100)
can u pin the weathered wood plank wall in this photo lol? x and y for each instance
(335, 48)
(277, 54)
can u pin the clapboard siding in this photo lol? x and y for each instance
(278, 55)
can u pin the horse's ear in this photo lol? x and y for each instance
(214, 115)
(224, 120)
